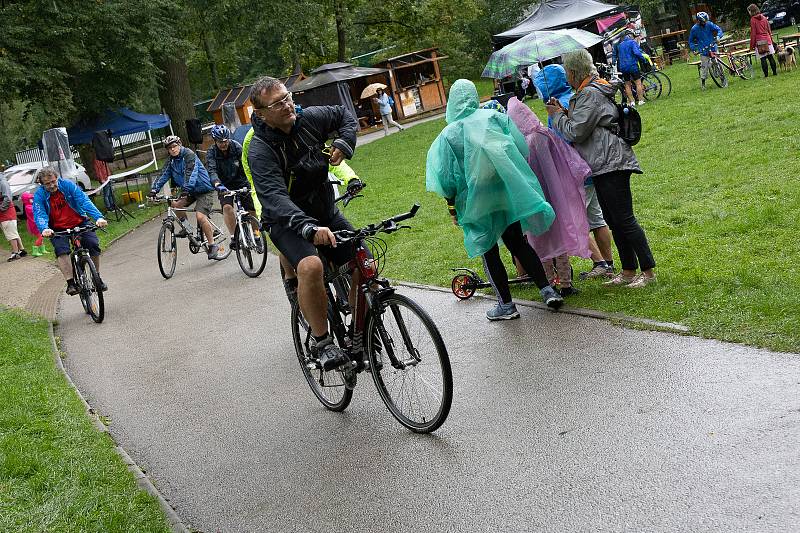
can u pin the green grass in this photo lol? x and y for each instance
(718, 200)
(57, 472)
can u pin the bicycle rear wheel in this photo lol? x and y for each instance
(743, 66)
(666, 83)
(328, 386)
(410, 364)
(717, 71)
(652, 86)
(167, 252)
(251, 251)
(90, 293)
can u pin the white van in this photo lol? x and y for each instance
(21, 178)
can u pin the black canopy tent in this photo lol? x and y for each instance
(330, 85)
(557, 14)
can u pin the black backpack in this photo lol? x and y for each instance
(629, 124)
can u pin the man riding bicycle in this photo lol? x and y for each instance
(59, 205)
(225, 170)
(289, 166)
(185, 170)
(703, 38)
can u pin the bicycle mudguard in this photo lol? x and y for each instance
(470, 272)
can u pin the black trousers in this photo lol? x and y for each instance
(614, 194)
(518, 245)
(771, 59)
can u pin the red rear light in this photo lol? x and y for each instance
(366, 264)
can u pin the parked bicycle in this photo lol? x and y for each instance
(737, 64)
(389, 334)
(167, 251)
(84, 273)
(650, 82)
(248, 239)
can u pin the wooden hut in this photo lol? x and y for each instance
(416, 83)
(240, 98)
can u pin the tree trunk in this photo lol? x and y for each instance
(684, 16)
(87, 159)
(175, 94)
(338, 7)
(212, 63)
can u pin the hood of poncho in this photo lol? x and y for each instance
(462, 101)
(526, 120)
(552, 81)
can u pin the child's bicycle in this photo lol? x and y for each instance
(248, 239)
(468, 281)
(84, 273)
(167, 250)
(389, 334)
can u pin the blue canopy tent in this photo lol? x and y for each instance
(121, 122)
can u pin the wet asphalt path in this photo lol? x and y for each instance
(559, 423)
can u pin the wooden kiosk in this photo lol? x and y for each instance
(415, 82)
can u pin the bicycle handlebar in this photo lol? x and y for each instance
(385, 226)
(234, 192)
(349, 195)
(76, 230)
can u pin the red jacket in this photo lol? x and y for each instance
(759, 30)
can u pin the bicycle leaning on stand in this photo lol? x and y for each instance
(651, 83)
(389, 334)
(167, 251)
(84, 273)
(737, 65)
(248, 239)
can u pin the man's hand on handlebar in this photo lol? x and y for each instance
(355, 185)
(101, 223)
(47, 233)
(324, 237)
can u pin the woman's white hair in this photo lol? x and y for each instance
(580, 63)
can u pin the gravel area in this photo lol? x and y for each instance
(20, 279)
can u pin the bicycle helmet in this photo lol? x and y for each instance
(169, 140)
(220, 132)
(702, 16)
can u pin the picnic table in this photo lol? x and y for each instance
(735, 44)
(670, 45)
(792, 37)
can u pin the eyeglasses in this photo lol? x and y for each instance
(286, 100)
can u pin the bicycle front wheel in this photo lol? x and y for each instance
(167, 250)
(666, 83)
(91, 294)
(251, 251)
(328, 386)
(410, 364)
(717, 72)
(743, 66)
(652, 86)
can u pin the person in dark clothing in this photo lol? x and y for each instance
(225, 170)
(289, 164)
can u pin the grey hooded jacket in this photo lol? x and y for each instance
(590, 127)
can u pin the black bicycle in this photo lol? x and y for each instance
(84, 273)
(389, 334)
(249, 241)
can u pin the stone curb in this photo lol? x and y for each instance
(580, 311)
(142, 480)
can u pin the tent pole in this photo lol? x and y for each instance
(122, 151)
(152, 148)
(171, 132)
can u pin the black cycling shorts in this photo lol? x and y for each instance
(631, 76)
(247, 201)
(295, 248)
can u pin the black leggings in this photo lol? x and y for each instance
(771, 59)
(518, 245)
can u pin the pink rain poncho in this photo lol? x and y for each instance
(478, 161)
(561, 172)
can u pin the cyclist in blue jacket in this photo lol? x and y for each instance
(703, 38)
(185, 170)
(627, 56)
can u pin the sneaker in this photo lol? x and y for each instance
(641, 281)
(330, 356)
(72, 289)
(619, 279)
(568, 291)
(503, 311)
(13, 257)
(213, 250)
(598, 271)
(551, 298)
(23, 253)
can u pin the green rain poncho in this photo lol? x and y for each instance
(479, 161)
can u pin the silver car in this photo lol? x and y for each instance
(21, 178)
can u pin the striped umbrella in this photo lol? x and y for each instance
(535, 47)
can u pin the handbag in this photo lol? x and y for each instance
(762, 47)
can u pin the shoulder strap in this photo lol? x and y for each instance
(279, 153)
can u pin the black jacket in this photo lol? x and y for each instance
(290, 172)
(226, 167)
